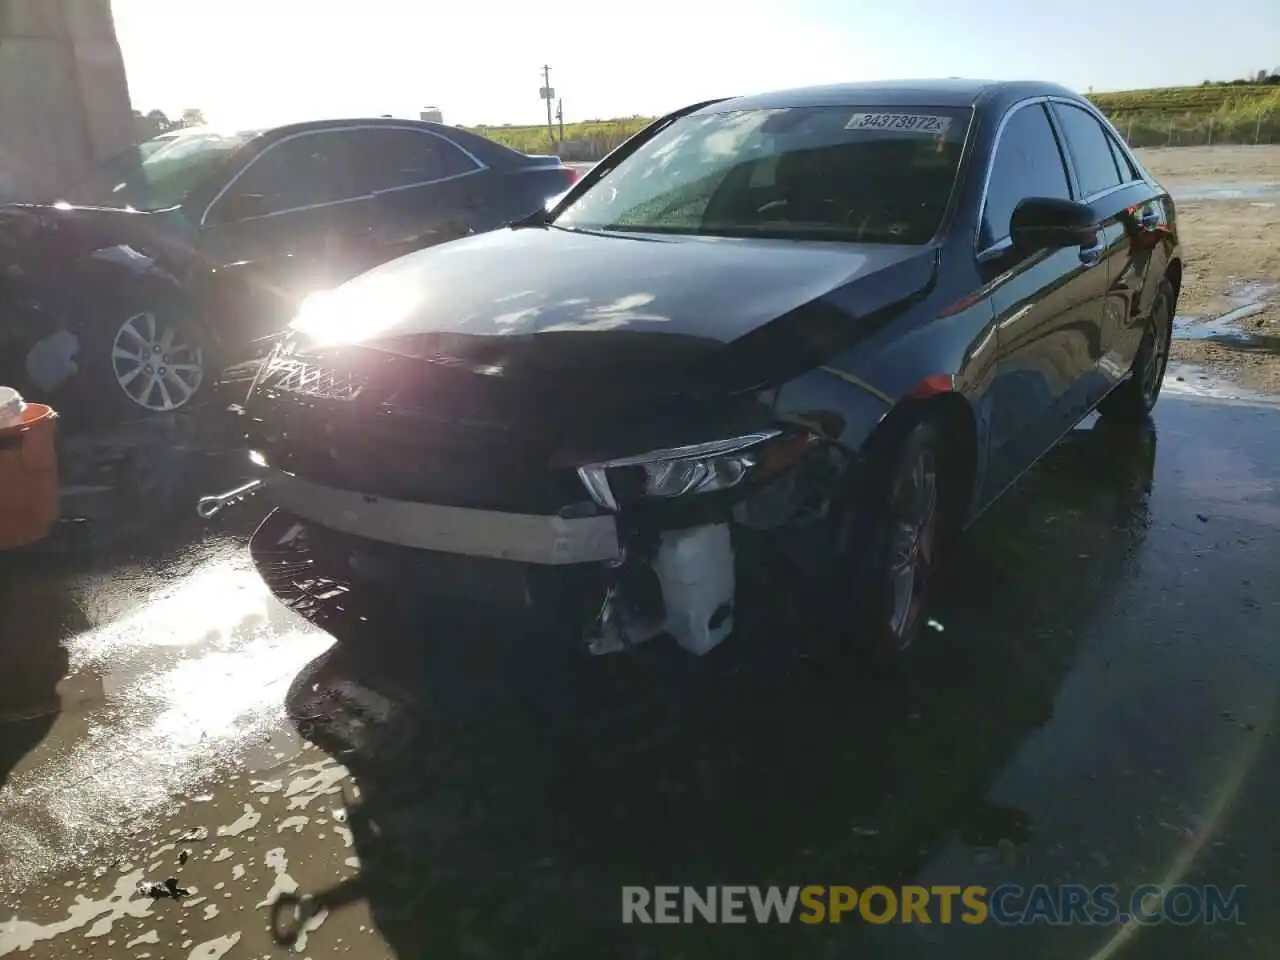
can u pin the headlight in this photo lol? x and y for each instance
(698, 468)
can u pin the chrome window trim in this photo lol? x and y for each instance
(999, 246)
(480, 167)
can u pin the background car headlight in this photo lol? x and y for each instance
(698, 468)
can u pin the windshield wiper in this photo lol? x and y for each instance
(535, 218)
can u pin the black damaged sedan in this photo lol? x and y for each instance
(837, 322)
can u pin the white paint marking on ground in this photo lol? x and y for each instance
(223, 854)
(319, 779)
(22, 935)
(293, 823)
(237, 872)
(151, 936)
(214, 949)
(246, 822)
(278, 863)
(267, 786)
(211, 911)
(310, 926)
(345, 834)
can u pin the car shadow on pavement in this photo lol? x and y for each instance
(509, 788)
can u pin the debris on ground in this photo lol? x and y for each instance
(194, 834)
(159, 891)
(183, 856)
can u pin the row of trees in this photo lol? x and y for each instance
(156, 122)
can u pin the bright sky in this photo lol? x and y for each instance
(250, 62)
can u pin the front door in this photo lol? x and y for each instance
(286, 226)
(1048, 305)
(1122, 203)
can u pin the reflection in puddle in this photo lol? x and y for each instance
(1224, 328)
(1252, 297)
(193, 679)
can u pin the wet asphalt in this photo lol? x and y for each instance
(326, 776)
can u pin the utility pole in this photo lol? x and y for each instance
(548, 94)
(560, 119)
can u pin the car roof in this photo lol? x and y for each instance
(950, 92)
(490, 152)
(306, 126)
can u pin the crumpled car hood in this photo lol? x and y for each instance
(518, 282)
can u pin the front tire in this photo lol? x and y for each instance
(899, 539)
(1134, 399)
(148, 360)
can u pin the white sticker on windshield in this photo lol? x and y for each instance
(900, 122)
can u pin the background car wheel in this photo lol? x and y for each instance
(151, 360)
(1133, 400)
(897, 546)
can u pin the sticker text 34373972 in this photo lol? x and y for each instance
(904, 122)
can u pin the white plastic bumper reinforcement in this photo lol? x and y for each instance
(527, 538)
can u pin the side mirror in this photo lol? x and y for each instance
(1047, 223)
(242, 206)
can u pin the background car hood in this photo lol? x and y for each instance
(518, 282)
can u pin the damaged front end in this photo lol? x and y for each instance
(456, 475)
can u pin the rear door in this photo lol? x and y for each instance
(1122, 202)
(425, 189)
(1048, 305)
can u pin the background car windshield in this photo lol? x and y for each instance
(157, 173)
(865, 174)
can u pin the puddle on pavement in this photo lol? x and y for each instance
(1252, 297)
(1260, 190)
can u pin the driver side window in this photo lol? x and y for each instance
(1028, 163)
(302, 171)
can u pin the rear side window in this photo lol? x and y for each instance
(302, 171)
(386, 159)
(1127, 172)
(1028, 163)
(1090, 149)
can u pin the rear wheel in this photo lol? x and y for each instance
(1133, 400)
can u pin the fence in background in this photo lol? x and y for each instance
(1191, 130)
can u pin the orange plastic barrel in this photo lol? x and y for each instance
(28, 477)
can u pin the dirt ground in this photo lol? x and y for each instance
(1232, 255)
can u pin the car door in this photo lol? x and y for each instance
(1048, 305)
(284, 224)
(1122, 202)
(425, 189)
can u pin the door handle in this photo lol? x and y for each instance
(1092, 256)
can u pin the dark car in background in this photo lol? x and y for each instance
(133, 286)
(828, 326)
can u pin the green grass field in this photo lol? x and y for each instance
(1177, 116)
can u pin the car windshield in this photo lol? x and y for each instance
(849, 173)
(157, 173)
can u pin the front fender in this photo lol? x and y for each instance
(79, 291)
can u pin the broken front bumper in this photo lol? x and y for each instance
(524, 538)
(565, 570)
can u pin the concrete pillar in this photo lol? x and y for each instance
(64, 99)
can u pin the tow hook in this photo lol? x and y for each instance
(209, 506)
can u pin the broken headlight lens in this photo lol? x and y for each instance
(683, 471)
